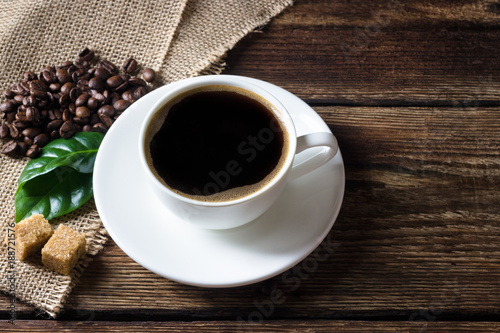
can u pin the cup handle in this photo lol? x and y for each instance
(311, 140)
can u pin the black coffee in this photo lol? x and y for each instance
(216, 144)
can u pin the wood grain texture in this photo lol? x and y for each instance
(389, 52)
(418, 229)
(272, 326)
(418, 234)
(411, 90)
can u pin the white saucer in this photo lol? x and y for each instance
(166, 245)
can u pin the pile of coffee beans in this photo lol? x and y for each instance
(85, 95)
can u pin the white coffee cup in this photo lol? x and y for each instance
(237, 212)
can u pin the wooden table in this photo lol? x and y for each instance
(411, 89)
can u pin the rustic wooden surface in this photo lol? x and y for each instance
(411, 89)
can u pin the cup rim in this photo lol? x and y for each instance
(233, 81)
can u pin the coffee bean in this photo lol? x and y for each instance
(58, 113)
(49, 77)
(84, 77)
(114, 97)
(33, 101)
(38, 93)
(77, 74)
(82, 99)
(67, 129)
(32, 114)
(16, 89)
(28, 141)
(77, 127)
(128, 96)
(25, 87)
(50, 98)
(64, 100)
(18, 99)
(54, 124)
(29, 100)
(139, 92)
(114, 81)
(66, 115)
(82, 64)
(109, 66)
(7, 93)
(66, 64)
(72, 108)
(106, 110)
(33, 151)
(83, 84)
(71, 69)
(13, 131)
(55, 134)
(94, 118)
(92, 103)
(48, 69)
(148, 74)
(4, 131)
(125, 77)
(107, 96)
(66, 88)
(106, 120)
(55, 86)
(31, 132)
(63, 76)
(22, 148)
(100, 98)
(99, 127)
(10, 148)
(137, 82)
(19, 123)
(102, 73)
(41, 139)
(10, 117)
(96, 84)
(121, 105)
(122, 87)
(130, 65)
(36, 85)
(21, 115)
(82, 112)
(87, 54)
(7, 106)
(81, 121)
(74, 93)
(87, 128)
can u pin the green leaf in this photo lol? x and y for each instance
(78, 152)
(53, 194)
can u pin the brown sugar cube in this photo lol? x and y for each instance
(30, 235)
(63, 250)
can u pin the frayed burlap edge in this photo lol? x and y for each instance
(179, 63)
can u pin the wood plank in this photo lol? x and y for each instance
(272, 326)
(392, 52)
(418, 234)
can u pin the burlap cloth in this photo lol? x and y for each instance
(177, 38)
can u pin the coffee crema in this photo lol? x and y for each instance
(216, 143)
